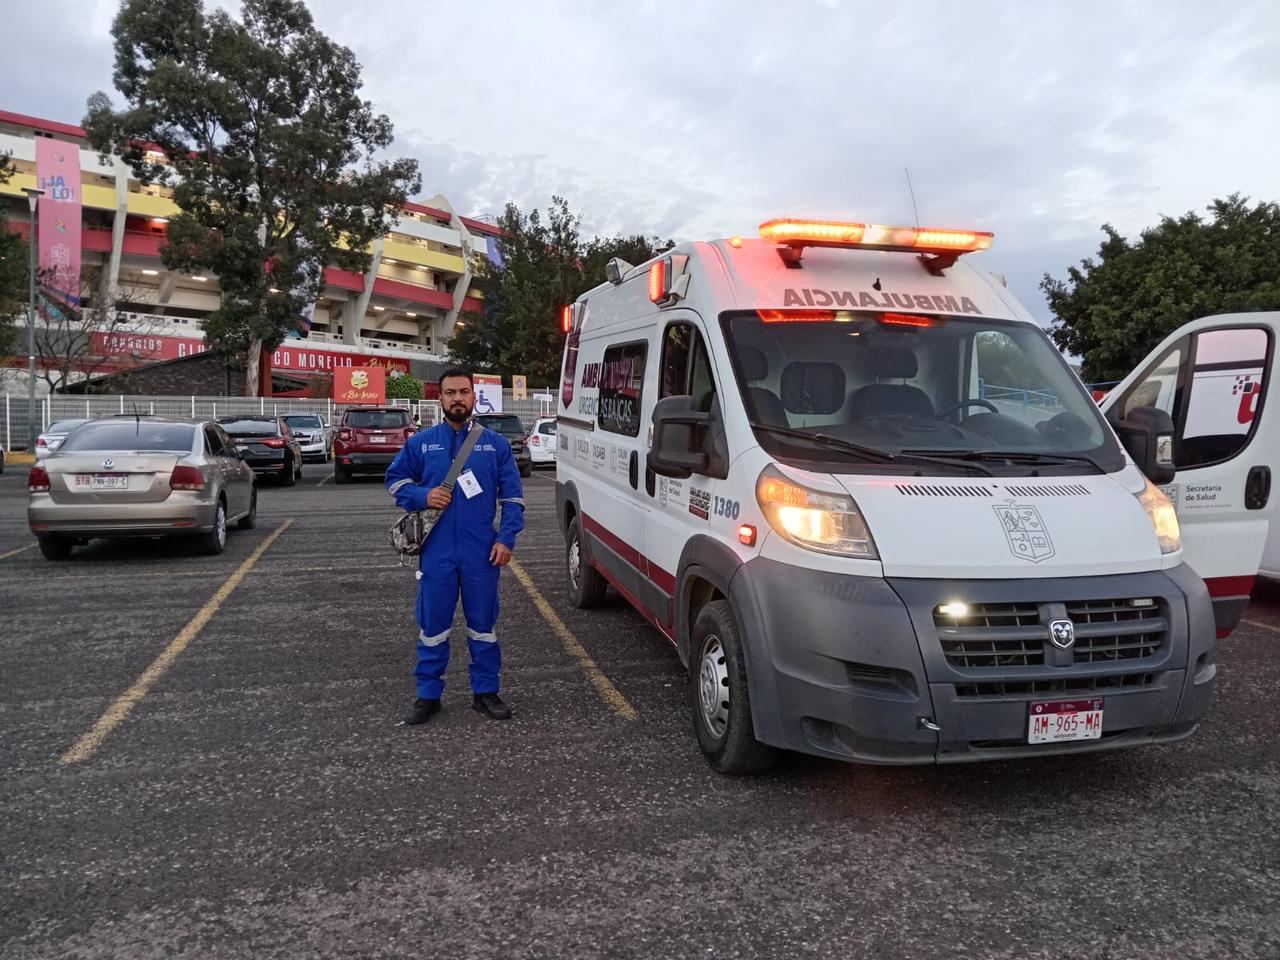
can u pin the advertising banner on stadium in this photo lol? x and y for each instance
(360, 385)
(58, 175)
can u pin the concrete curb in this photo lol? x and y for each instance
(19, 459)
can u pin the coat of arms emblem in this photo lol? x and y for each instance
(1025, 531)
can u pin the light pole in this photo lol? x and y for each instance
(33, 429)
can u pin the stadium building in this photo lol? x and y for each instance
(400, 313)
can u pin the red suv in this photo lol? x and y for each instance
(368, 440)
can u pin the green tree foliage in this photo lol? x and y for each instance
(1113, 310)
(272, 154)
(545, 264)
(13, 272)
(404, 387)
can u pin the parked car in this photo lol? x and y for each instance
(368, 440)
(312, 434)
(509, 425)
(140, 477)
(53, 436)
(542, 441)
(268, 445)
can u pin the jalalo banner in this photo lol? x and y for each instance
(360, 385)
(58, 174)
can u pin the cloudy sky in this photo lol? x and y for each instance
(698, 119)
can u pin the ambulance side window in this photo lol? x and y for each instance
(1161, 387)
(1228, 381)
(686, 367)
(621, 384)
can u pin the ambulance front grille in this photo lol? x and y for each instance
(1067, 686)
(992, 636)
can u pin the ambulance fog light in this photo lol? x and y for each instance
(955, 609)
(1164, 520)
(1143, 603)
(824, 522)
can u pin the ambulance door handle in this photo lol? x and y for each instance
(1257, 488)
(633, 469)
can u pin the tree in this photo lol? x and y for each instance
(13, 272)
(545, 265)
(259, 127)
(73, 342)
(1112, 311)
(404, 387)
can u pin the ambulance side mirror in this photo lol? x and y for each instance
(687, 440)
(1147, 433)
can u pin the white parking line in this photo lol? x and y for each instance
(14, 553)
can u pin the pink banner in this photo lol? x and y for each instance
(58, 173)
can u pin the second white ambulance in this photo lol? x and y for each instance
(852, 481)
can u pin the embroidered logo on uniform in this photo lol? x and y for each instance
(428, 447)
(487, 446)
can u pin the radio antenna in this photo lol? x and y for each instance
(912, 190)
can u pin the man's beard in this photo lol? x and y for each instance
(457, 414)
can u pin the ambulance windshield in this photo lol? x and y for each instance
(948, 386)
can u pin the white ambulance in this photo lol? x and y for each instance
(1211, 376)
(879, 517)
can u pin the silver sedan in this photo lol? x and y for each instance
(140, 477)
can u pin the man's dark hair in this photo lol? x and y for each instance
(456, 372)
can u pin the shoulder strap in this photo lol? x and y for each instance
(467, 445)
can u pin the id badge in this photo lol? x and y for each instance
(468, 484)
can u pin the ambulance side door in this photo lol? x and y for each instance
(684, 508)
(611, 472)
(1213, 377)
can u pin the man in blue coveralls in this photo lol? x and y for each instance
(463, 554)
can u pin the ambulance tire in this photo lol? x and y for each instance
(587, 588)
(718, 695)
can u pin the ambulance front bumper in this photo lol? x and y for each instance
(862, 668)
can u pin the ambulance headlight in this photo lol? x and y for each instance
(1163, 517)
(826, 522)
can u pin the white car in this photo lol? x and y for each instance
(54, 434)
(312, 435)
(542, 441)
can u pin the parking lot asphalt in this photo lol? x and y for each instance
(259, 799)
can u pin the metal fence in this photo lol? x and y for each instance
(52, 408)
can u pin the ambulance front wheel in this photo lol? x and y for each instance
(718, 696)
(586, 586)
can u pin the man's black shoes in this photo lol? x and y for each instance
(423, 710)
(491, 705)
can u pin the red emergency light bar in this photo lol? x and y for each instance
(796, 316)
(908, 320)
(941, 246)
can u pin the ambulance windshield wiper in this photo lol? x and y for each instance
(868, 453)
(1028, 456)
